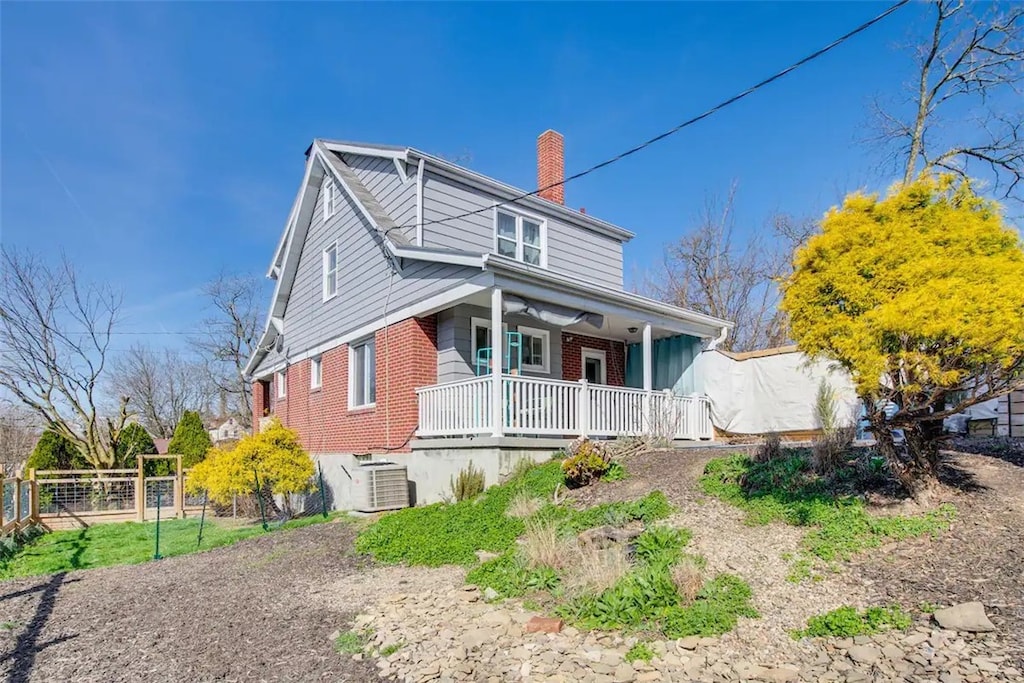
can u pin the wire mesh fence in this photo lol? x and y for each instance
(86, 494)
(160, 492)
(25, 489)
(10, 491)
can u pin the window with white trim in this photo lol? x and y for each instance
(316, 372)
(481, 339)
(362, 383)
(281, 380)
(520, 237)
(536, 349)
(331, 197)
(330, 271)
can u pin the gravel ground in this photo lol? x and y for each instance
(248, 612)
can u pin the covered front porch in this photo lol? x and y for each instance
(569, 366)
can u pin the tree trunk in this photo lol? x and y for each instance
(886, 445)
(923, 441)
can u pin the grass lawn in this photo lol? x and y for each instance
(105, 545)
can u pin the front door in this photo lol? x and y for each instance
(595, 368)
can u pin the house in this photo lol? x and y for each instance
(226, 430)
(392, 274)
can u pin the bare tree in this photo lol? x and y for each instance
(163, 384)
(970, 67)
(712, 271)
(229, 338)
(19, 431)
(55, 334)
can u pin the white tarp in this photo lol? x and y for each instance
(771, 393)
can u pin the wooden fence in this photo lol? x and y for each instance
(66, 499)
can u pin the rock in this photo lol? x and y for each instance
(985, 664)
(606, 536)
(746, 670)
(950, 677)
(892, 652)
(967, 616)
(648, 677)
(543, 625)
(334, 636)
(477, 637)
(864, 654)
(915, 639)
(490, 594)
(485, 555)
(688, 643)
(782, 674)
(624, 673)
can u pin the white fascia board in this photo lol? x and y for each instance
(364, 150)
(279, 254)
(400, 167)
(546, 280)
(481, 182)
(458, 258)
(433, 304)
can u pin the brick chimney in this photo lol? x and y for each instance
(551, 165)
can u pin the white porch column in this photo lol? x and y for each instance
(497, 346)
(648, 379)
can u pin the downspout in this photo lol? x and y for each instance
(719, 339)
(419, 203)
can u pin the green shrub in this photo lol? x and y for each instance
(846, 622)
(650, 508)
(190, 439)
(771, 449)
(661, 546)
(468, 485)
(585, 463)
(615, 472)
(55, 452)
(509, 576)
(639, 652)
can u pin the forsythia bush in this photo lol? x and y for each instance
(275, 454)
(587, 460)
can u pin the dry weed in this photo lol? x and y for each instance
(594, 570)
(686, 575)
(523, 505)
(543, 547)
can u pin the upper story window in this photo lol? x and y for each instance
(316, 372)
(520, 237)
(331, 197)
(281, 380)
(330, 271)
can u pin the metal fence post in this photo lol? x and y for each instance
(323, 494)
(140, 490)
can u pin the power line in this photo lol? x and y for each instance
(685, 124)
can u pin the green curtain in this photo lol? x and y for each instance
(672, 364)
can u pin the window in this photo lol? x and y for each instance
(362, 374)
(282, 384)
(536, 349)
(316, 372)
(330, 271)
(519, 237)
(595, 366)
(482, 340)
(330, 199)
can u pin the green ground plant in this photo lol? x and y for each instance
(847, 622)
(352, 642)
(615, 472)
(788, 490)
(468, 485)
(106, 545)
(639, 652)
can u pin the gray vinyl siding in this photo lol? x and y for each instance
(455, 342)
(381, 178)
(363, 280)
(571, 250)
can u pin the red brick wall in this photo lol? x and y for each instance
(551, 166)
(572, 357)
(406, 360)
(260, 401)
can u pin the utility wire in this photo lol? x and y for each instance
(685, 124)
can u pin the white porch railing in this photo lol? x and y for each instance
(545, 407)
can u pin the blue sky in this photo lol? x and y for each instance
(160, 144)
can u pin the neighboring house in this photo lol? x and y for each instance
(393, 271)
(226, 430)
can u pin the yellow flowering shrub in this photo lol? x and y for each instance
(917, 295)
(275, 454)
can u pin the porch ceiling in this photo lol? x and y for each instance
(615, 326)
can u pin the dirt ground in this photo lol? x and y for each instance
(249, 612)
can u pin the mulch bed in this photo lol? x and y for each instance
(242, 613)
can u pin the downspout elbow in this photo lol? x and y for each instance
(719, 339)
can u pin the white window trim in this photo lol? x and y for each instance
(352, 405)
(545, 367)
(485, 323)
(337, 267)
(281, 380)
(519, 216)
(594, 354)
(331, 196)
(316, 372)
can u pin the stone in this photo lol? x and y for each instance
(864, 654)
(985, 664)
(915, 639)
(607, 536)
(543, 625)
(950, 677)
(477, 637)
(892, 652)
(648, 677)
(486, 555)
(967, 616)
(490, 594)
(688, 643)
(624, 673)
(781, 674)
(747, 670)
